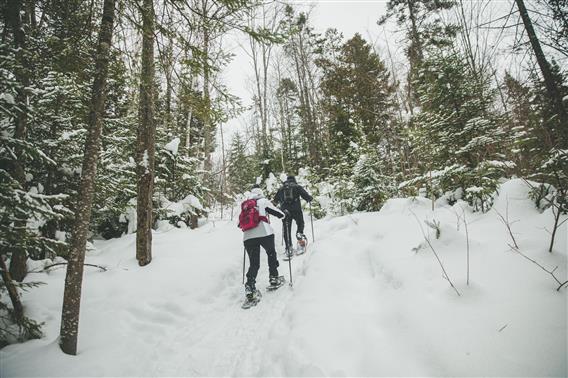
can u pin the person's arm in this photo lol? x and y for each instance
(277, 201)
(276, 213)
(271, 209)
(305, 195)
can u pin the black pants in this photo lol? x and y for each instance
(298, 217)
(253, 250)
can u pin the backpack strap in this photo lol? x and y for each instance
(262, 218)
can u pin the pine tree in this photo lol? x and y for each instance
(457, 133)
(424, 27)
(242, 168)
(359, 97)
(372, 187)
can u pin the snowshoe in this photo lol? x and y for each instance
(302, 245)
(288, 254)
(276, 282)
(251, 299)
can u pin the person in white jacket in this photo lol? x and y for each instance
(261, 235)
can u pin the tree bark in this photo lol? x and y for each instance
(18, 268)
(207, 125)
(549, 82)
(415, 55)
(74, 278)
(12, 292)
(146, 139)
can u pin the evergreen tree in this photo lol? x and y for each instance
(372, 187)
(457, 132)
(424, 27)
(359, 97)
(243, 167)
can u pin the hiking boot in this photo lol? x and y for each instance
(300, 236)
(274, 280)
(250, 291)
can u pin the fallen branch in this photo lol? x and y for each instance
(102, 268)
(551, 272)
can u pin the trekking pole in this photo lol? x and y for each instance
(244, 258)
(288, 253)
(312, 222)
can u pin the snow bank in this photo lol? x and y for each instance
(368, 299)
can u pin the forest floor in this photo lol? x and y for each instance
(368, 299)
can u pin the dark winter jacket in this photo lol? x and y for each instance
(297, 192)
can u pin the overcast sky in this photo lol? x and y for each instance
(348, 16)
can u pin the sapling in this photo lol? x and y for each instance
(551, 272)
(515, 248)
(467, 243)
(558, 199)
(507, 223)
(427, 239)
(459, 219)
(435, 225)
(557, 202)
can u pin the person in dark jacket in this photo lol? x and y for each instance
(288, 199)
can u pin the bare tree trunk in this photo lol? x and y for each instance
(415, 55)
(207, 126)
(549, 82)
(188, 141)
(74, 277)
(168, 71)
(146, 139)
(18, 269)
(224, 177)
(12, 292)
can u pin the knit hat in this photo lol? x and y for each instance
(256, 193)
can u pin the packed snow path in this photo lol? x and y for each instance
(368, 300)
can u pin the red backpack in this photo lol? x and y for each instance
(250, 217)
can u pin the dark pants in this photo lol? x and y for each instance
(253, 250)
(298, 217)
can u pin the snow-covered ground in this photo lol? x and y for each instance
(368, 299)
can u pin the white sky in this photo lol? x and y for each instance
(349, 17)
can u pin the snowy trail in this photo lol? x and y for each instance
(368, 300)
(340, 326)
(224, 339)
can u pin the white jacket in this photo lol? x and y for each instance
(263, 228)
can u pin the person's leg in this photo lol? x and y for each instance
(288, 233)
(268, 245)
(253, 250)
(299, 218)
